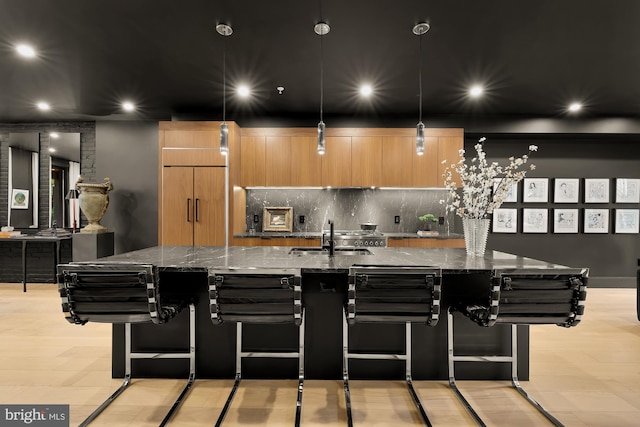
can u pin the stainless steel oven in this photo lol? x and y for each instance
(355, 239)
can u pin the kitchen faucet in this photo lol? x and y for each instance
(332, 241)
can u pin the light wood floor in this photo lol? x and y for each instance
(585, 376)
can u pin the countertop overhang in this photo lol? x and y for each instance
(204, 258)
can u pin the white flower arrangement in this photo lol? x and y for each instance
(475, 199)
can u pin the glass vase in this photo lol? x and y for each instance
(475, 235)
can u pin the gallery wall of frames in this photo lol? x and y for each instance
(579, 207)
(560, 213)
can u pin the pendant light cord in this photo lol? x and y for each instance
(321, 64)
(224, 79)
(321, 78)
(420, 75)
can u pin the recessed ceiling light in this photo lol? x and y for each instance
(52, 150)
(244, 91)
(43, 106)
(54, 135)
(576, 106)
(26, 51)
(366, 90)
(476, 91)
(128, 106)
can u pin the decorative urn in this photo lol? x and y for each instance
(94, 200)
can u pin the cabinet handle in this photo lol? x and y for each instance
(188, 210)
(197, 206)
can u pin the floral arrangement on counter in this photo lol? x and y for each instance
(477, 199)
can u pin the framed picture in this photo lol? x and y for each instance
(19, 199)
(596, 220)
(627, 190)
(566, 190)
(627, 221)
(505, 220)
(565, 220)
(596, 190)
(277, 219)
(535, 220)
(511, 195)
(536, 190)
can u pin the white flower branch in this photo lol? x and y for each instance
(475, 198)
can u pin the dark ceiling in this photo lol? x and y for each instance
(534, 57)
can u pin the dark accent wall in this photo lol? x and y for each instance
(608, 156)
(127, 153)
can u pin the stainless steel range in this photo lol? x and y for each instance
(355, 239)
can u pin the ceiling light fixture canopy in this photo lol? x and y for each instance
(224, 30)
(419, 30)
(321, 29)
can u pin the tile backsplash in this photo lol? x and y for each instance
(349, 207)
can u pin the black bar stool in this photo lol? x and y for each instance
(258, 296)
(123, 293)
(522, 297)
(390, 294)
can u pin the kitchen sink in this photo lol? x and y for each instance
(322, 251)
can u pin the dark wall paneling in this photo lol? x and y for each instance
(127, 153)
(608, 156)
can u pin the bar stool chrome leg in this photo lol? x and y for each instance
(129, 355)
(408, 375)
(451, 363)
(238, 378)
(516, 383)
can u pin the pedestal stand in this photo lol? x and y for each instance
(89, 246)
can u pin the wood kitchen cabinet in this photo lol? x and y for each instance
(425, 171)
(252, 161)
(398, 153)
(278, 161)
(366, 161)
(191, 143)
(417, 242)
(336, 162)
(306, 163)
(193, 206)
(448, 149)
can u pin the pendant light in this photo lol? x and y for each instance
(419, 30)
(321, 28)
(224, 30)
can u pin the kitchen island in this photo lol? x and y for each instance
(184, 269)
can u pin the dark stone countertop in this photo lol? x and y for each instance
(200, 258)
